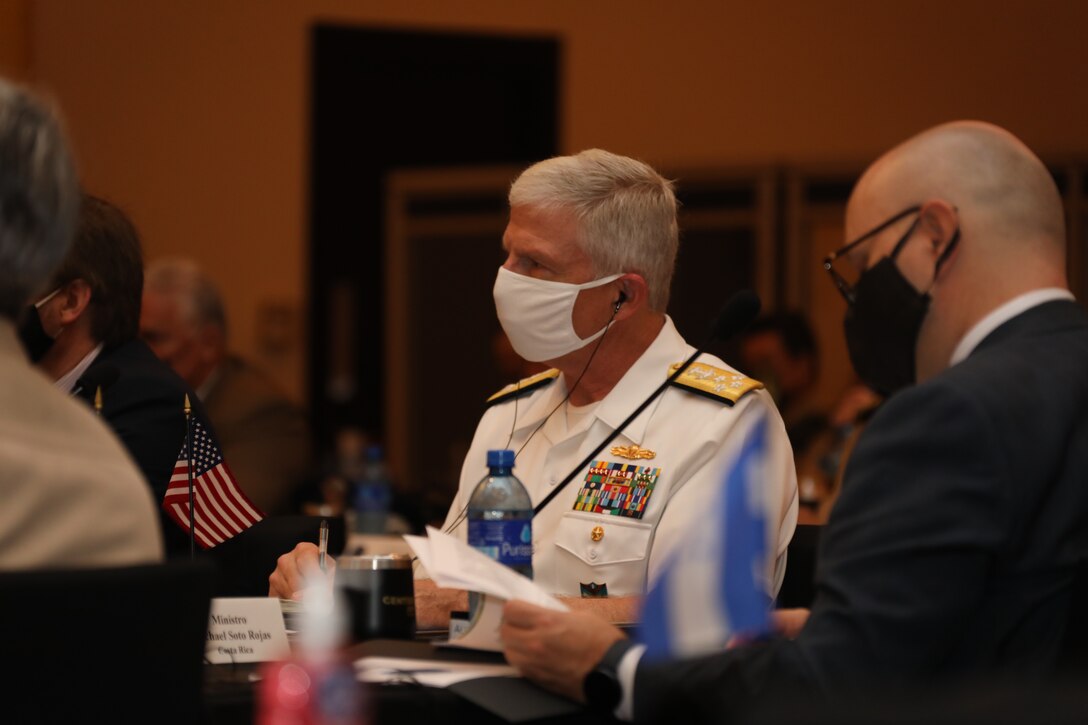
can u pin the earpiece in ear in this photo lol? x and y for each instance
(620, 301)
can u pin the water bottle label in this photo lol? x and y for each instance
(509, 542)
(373, 497)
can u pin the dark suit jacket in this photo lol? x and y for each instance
(950, 551)
(263, 434)
(144, 406)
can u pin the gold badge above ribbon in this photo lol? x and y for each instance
(633, 453)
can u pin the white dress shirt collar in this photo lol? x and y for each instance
(67, 382)
(1001, 315)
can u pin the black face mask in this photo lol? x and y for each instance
(33, 336)
(882, 327)
(882, 324)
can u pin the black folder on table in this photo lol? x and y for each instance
(513, 699)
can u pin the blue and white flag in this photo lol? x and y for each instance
(715, 584)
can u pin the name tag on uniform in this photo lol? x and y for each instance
(593, 590)
(246, 629)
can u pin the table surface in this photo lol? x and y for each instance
(230, 690)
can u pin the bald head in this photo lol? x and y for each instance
(1002, 191)
(989, 227)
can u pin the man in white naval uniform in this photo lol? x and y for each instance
(591, 244)
(583, 548)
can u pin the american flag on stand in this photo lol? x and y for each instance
(222, 510)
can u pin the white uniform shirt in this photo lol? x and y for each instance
(694, 439)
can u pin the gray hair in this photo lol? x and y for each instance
(39, 197)
(195, 294)
(626, 213)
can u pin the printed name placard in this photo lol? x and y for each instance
(246, 629)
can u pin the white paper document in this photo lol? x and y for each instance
(431, 673)
(453, 564)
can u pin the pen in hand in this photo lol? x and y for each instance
(323, 544)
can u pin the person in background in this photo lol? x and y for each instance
(826, 458)
(84, 337)
(953, 549)
(263, 434)
(71, 496)
(779, 349)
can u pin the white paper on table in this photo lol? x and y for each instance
(426, 672)
(453, 564)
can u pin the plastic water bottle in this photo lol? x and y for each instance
(316, 684)
(500, 515)
(373, 494)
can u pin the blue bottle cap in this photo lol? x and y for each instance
(500, 459)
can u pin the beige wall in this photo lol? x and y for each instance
(14, 38)
(193, 113)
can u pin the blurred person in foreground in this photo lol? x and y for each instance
(71, 495)
(780, 350)
(263, 434)
(83, 335)
(951, 551)
(591, 246)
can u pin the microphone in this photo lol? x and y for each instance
(102, 376)
(736, 314)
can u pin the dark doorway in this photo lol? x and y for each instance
(385, 100)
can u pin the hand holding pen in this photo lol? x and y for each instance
(323, 545)
(303, 566)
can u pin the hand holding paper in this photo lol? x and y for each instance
(453, 564)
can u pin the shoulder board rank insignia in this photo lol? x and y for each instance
(722, 385)
(524, 386)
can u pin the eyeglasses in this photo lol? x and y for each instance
(846, 289)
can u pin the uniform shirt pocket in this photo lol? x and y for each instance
(602, 540)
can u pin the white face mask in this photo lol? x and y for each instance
(536, 314)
